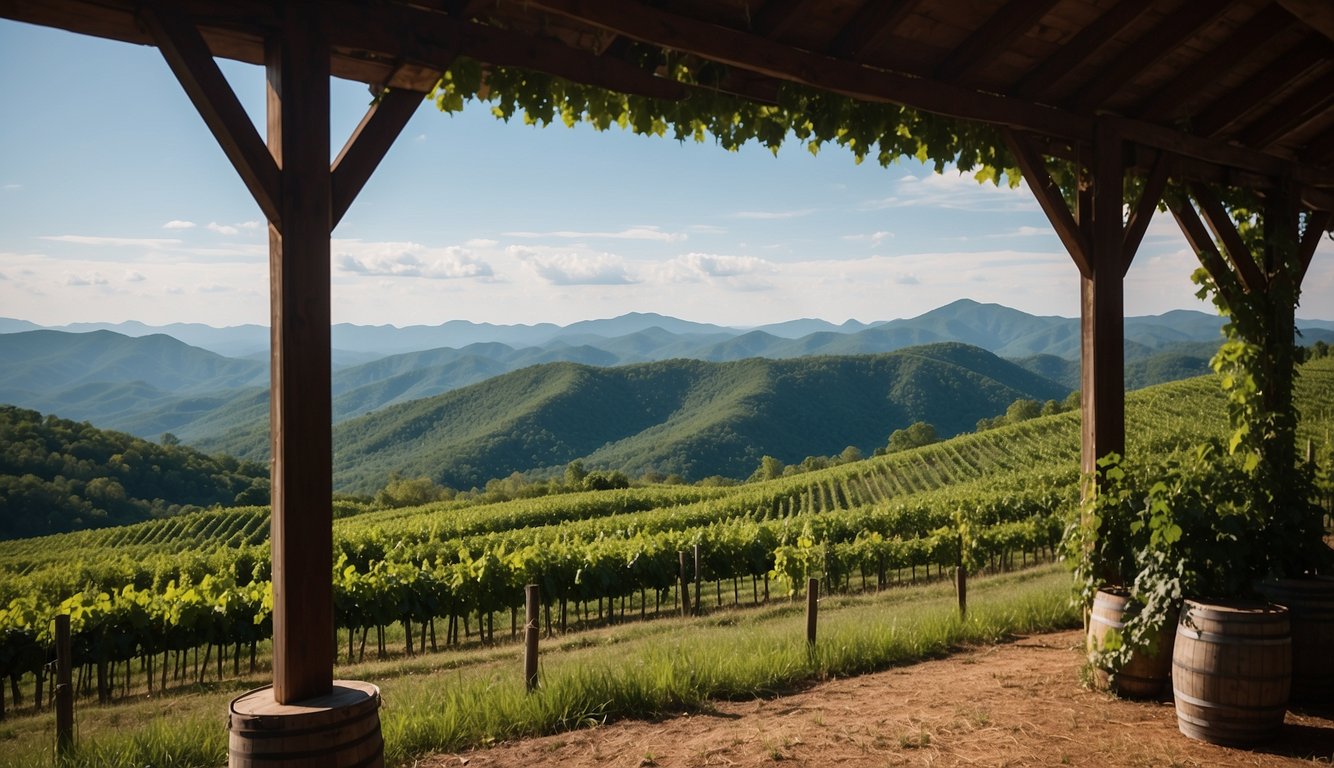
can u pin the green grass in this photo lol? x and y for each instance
(458, 699)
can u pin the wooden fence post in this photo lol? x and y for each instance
(531, 599)
(812, 608)
(64, 691)
(961, 581)
(685, 588)
(698, 606)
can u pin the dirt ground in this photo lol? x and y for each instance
(1017, 704)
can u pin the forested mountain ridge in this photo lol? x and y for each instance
(59, 475)
(690, 417)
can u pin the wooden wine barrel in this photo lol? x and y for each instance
(341, 730)
(1310, 604)
(1146, 673)
(1231, 671)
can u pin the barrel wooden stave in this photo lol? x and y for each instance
(1144, 676)
(1310, 604)
(1231, 671)
(341, 730)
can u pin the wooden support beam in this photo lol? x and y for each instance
(300, 402)
(1080, 47)
(777, 16)
(741, 49)
(1317, 223)
(1102, 311)
(383, 122)
(875, 20)
(1143, 212)
(1163, 38)
(1253, 278)
(1048, 194)
(1308, 103)
(1013, 20)
(1239, 46)
(191, 61)
(1203, 244)
(1233, 105)
(1321, 148)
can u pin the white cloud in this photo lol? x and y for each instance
(772, 215)
(134, 277)
(179, 224)
(214, 288)
(252, 224)
(955, 191)
(3, 276)
(13, 186)
(907, 278)
(707, 229)
(694, 266)
(481, 242)
(574, 268)
(630, 233)
(136, 242)
(875, 238)
(89, 278)
(408, 260)
(221, 229)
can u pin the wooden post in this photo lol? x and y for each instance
(698, 606)
(685, 587)
(531, 599)
(300, 409)
(812, 607)
(63, 689)
(961, 585)
(1102, 371)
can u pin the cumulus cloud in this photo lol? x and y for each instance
(221, 229)
(875, 238)
(89, 278)
(907, 278)
(694, 266)
(179, 224)
(571, 268)
(707, 229)
(13, 186)
(137, 242)
(772, 215)
(250, 224)
(955, 191)
(481, 242)
(646, 232)
(134, 277)
(410, 260)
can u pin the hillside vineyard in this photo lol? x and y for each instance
(980, 498)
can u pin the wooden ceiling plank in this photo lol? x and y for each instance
(874, 20)
(1049, 198)
(191, 61)
(988, 40)
(1200, 241)
(1231, 106)
(1321, 149)
(367, 146)
(1246, 40)
(1144, 209)
(1317, 223)
(1079, 48)
(777, 17)
(1215, 215)
(1295, 111)
(746, 51)
(1163, 38)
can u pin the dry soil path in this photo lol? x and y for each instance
(1017, 704)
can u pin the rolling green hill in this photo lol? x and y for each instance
(684, 416)
(60, 475)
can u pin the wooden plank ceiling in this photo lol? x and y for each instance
(1241, 90)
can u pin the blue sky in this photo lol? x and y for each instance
(117, 204)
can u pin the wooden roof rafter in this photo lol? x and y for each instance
(1253, 121)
